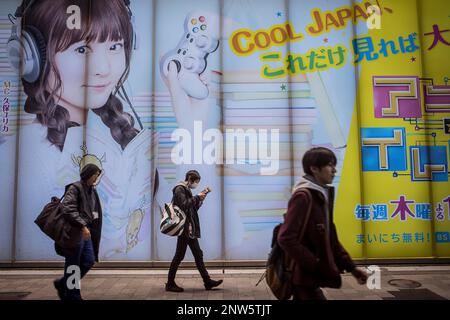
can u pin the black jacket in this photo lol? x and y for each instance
(78, 213)
(183, 198)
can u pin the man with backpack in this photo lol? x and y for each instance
(319, 257)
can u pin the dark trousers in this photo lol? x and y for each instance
(305, 293)
(84, 259)
(182, 243)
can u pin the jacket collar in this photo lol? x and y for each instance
(308, 182)
(184, 184)
(86, 187)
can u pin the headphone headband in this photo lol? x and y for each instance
(20, 11)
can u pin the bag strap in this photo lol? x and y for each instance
(66, 188)
(303, 228)
(302, 231)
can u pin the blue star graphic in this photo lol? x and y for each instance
(279, 13)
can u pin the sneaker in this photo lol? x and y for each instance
(59, 288)
(172, 287)
(74, 298)
(209, 284)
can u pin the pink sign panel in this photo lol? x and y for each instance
(436, 98)
(396, 97)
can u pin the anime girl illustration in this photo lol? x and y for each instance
(76, 101)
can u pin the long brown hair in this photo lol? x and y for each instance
(101, 20)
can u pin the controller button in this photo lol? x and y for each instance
(177, 63)
(201, 41)
(201, 18)
(184, 52)
(192, 40)
(179, 50)
(194, 21)
(189, 63)
(203, 27)
(187, 36)
(195, 30)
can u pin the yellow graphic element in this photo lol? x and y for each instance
(244, 42)
(437, 91)
(382, 144)
(316, 59)
(272, 73)
(433, 91)
(429, 169)
(395, 96)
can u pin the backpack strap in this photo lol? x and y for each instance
(308, 213)
(303, 227)
(302, 231)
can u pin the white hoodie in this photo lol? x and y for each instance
(308, 183)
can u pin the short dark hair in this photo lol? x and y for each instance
(192, 175)
(88, 171)
(317, 157)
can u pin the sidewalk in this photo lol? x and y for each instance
(239, 284)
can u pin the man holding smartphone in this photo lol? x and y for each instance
(183, 198)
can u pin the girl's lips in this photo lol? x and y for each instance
(98, 87)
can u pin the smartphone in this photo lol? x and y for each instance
(207, 190)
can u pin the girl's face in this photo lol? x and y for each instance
(89, 73)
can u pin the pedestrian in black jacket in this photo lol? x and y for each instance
(183, 198)
(82, 209)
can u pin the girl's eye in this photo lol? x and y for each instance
(116, 46)
(82, 49)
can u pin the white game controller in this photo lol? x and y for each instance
(190, 55)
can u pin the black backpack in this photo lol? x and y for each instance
(52, 222)
(280, 266)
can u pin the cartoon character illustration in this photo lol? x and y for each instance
(133, 228)
(87, 158)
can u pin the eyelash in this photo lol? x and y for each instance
(116, 44)
(87, 49)
(82, 47)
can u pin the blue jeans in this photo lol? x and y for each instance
(84, 258)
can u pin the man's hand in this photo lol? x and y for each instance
(86, 234)
(360, 275)
(202, 196)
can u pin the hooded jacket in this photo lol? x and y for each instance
(79, 213)
(183, 198)
(319, 256)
